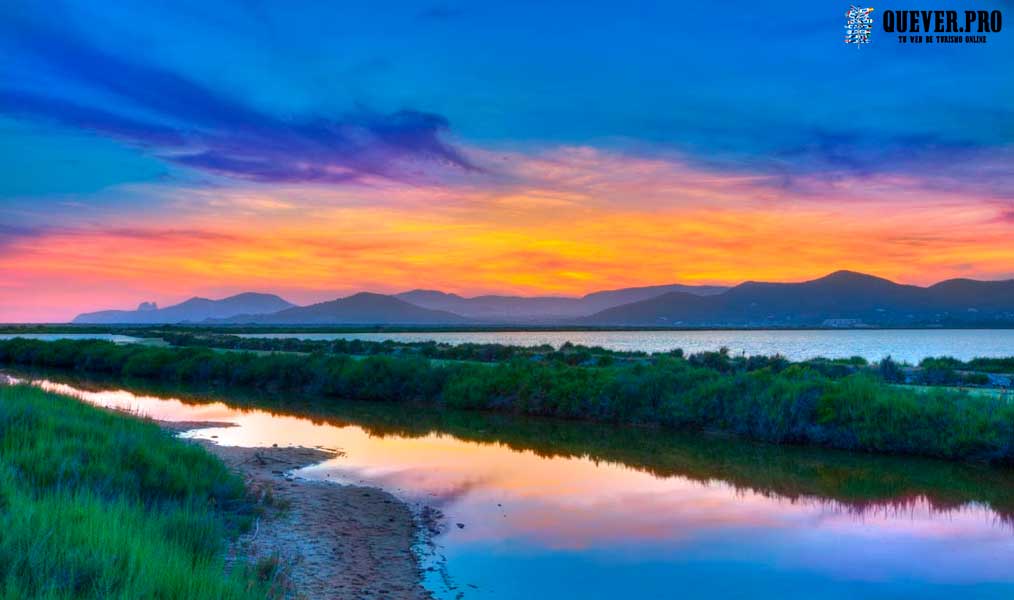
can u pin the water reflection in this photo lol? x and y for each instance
(557, 509)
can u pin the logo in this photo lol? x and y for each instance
(858, 25)
(924, 27)
(936, 27)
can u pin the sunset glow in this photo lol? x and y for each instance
(112, 195)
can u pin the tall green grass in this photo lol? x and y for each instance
(100, 505)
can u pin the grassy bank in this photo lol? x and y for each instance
(100, 505)
(859, 482)
(761, 398)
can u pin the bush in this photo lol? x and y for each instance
(890, 371)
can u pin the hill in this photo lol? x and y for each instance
(843, 298)
(193, 310)
(360, 309)
(542, 309)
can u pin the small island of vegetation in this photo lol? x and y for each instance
(845, 404)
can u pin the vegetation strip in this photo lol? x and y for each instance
(766, 398)
(943, 370)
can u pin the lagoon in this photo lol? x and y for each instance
(52, 337)
(554, 509)
(910, 345)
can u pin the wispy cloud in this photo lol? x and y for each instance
(191, 124)
(10, 234)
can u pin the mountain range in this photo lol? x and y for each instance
(841, 299)
(193, 310)
(363, 308)
(544, 308)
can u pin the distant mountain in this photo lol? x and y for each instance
(597, 301)
(982, 295)
(191, 311)
(360, 309)
(542, 309)
(843, 298)
(497, 308)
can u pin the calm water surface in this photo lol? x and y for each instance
(50, 337)
(556, 510)
(911, 345)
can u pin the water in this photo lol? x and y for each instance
(50, 337)
(566, 510)
(910, 345)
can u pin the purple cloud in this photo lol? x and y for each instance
(190, 124)
(24, 104)
(11, 234)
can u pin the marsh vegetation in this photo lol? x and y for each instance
(95, 504)
(841, 404)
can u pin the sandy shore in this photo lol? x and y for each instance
(330, 540)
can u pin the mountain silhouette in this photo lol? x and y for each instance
(542, 309)
(843, 298)
(193, 310)
(359, 309)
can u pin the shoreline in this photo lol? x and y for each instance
(325, 539)
(847, 404)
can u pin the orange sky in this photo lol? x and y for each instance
(152, 153)
(566, 222)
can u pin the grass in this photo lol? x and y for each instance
(95, 504)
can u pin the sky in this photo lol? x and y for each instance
(158, 151)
